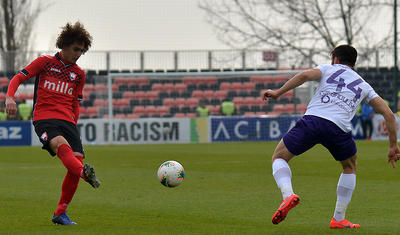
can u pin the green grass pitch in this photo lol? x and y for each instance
(228, 189)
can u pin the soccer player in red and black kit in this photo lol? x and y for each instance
(58, 90)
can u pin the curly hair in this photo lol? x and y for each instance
(74, 33)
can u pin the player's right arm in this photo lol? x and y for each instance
(297, 80)
(381, 107)
(33, 69)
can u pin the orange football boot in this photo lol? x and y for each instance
(284, 208)
(342, 224)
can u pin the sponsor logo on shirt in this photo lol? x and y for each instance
(72, 75)
(55, 70)
(59, 87)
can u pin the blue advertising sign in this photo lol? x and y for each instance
(15, 133)
(260, 128)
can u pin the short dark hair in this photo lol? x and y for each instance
(71, 34)
(346, 54)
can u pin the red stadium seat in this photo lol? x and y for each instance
(120, 116)
(238, 101)
(249, 101)
(215, 110)
(140, 95)
(152, 95)
(210, 80)
(180, 87)
(150, 110)
(197, 94)
(179, 115)
(142, 80)
(115, 102)
(180, 102)
(129, 95)
(191, 115)
(192, 102)
(100, 103)
(168, 87)
(114, 87)
(88, 88)
(259, 101)
(281, 79)
(301, 108)
(82, 110)
(85, 95)
(237, 86)
(139, 110)
(120, 81)
(189, 80)
(157, 87)
(249, 114)
(132, 116)
(100, 88)
(169, 102)
(279, 108)
(289, 108)
(221, 94)
(92, 111)
(225, 86)
(208, 94)
(273, 114)
(162, 110)
(4, 81)
(249, 86)
(122, 103)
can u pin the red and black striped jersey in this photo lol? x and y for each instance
(58, 87)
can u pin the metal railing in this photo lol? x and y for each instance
(189, 59)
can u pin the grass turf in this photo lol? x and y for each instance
(228, 189)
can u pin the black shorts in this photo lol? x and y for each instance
(47, 129)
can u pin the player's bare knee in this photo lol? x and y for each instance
(56, 142)
(349, 166)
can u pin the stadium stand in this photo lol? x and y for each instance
(154, 96)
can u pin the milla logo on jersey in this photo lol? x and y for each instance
(59, 87)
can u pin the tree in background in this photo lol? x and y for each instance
(306, 29)
(17, 20)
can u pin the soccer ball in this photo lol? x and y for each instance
(171, 173)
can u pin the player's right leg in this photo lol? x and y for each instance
(282, 175)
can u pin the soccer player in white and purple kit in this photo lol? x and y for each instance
(327, 121)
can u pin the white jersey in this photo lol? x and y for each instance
(340, 92)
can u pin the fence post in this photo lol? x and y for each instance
(244, 60)
(142, 61)
(210, 60)
(108, 65)
(176, 60)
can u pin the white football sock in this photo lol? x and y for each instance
(283, 177)
(345, 188)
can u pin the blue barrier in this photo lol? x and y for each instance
(15, 133)
(260, 128)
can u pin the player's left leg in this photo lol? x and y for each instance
(345, 188)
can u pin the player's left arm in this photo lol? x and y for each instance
(381, 107)
(295, 81)
(78, 98)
